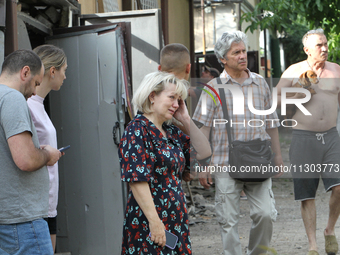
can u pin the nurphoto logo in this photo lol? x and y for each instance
(238, 104)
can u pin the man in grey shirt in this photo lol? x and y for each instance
(24, 177)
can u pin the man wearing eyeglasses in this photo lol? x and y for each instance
(315, 148)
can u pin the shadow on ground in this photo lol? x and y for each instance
(289, 236)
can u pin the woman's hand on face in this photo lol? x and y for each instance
(157, 230)
(182, 111)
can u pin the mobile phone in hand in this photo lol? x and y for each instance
(62, 149)
(171, 239)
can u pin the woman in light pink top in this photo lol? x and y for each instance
(55, 63)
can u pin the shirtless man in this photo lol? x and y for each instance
(315, 142)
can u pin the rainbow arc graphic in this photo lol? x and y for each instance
(209, 93)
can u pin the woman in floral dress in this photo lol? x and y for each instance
(153, 156)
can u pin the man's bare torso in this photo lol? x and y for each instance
(324, 104)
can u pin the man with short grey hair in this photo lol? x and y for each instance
(315, 146)
(231, 52)
(24, 181)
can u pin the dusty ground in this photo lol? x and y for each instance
(289, 235)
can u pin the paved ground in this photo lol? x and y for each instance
(289, 235)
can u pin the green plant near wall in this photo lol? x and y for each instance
(289, 16)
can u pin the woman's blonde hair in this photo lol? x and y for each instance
(156, 82)
(51, 56)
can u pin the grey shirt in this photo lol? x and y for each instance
(23, 195)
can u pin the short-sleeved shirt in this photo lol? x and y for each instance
(147, 156)
(245, 127)
(23, 195)
(47, 134)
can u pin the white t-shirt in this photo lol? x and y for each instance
(47, 135)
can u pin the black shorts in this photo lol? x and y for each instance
(314, 155)
(52, 225)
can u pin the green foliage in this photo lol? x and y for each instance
(289, 18)
(292, 43)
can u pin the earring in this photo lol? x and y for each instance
(152, 102)
(52, 76)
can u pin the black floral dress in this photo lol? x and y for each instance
(147, 156)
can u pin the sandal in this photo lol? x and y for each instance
(312, 252)
(243, 197)
(331, 245)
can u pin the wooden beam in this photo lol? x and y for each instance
(126, 5)
(100, 6)
(165, 20)
(139, 5)
(11, 32)
(192, 38)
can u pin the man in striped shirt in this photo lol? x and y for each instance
(231, 52)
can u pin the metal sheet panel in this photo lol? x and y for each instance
(90, 204)
(23, 38)
(146, 38)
